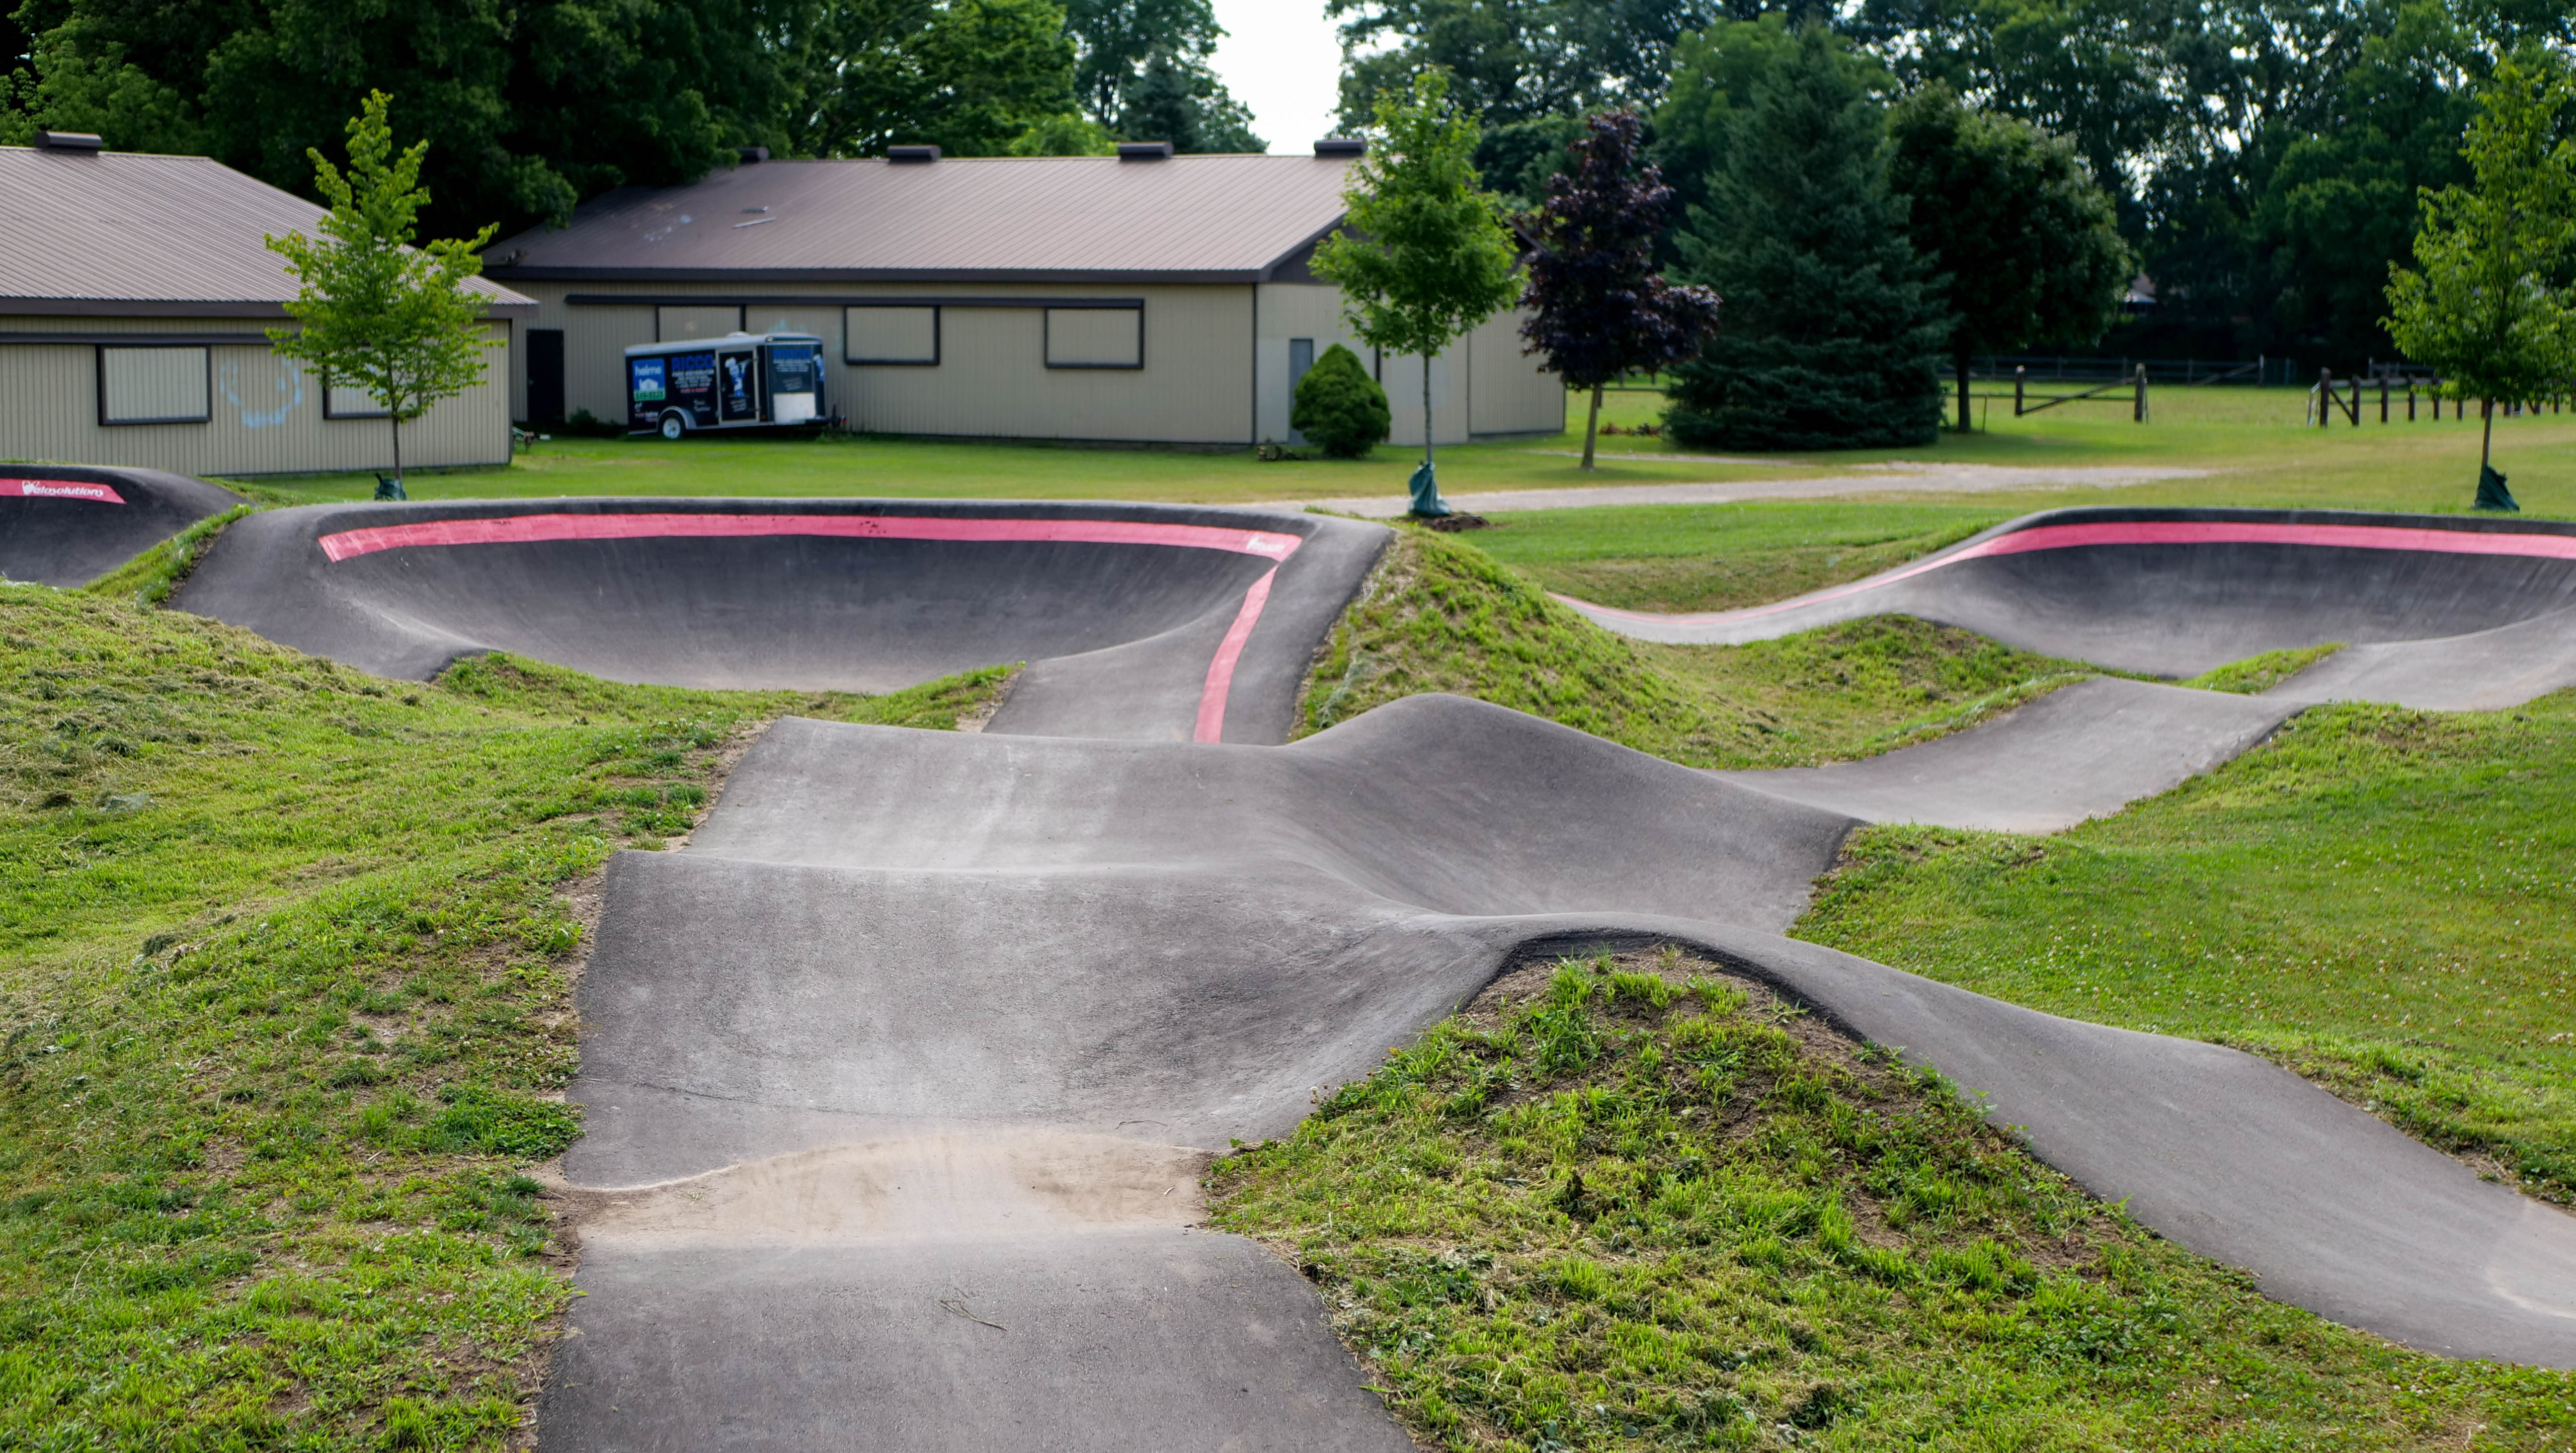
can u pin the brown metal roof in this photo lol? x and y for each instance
(1186, 219)
(136, 234)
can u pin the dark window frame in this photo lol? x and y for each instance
(938, 336)
(330, 413)
(205, 354)
(1046, 336)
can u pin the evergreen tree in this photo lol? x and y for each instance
(1180, 102)
(1832, 338)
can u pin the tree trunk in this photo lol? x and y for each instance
(2486, 438)
(1963, 390)
(1591, 426)
(1426, 409)
(395, 418)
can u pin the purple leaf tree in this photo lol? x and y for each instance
(1599, 310)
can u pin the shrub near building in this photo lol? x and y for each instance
(1339, 406)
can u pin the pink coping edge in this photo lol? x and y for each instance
(60, 489)
(534, 529)
(527, 529)
(2163, 532)
(1220, 677)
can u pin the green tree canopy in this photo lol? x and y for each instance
(2486, 305)
(1515, 60)
(968, 76)
(374, 312)
(1832, 338)
(532, 107)
(2009, 215)
(1424, 254)
(1146, 74)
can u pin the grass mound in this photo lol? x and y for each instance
(286, 959)
(1636, 1204)
(1441, 615)
(2379, 899)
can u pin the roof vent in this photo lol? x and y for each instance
(751, 154)
(1144, 150)
(68, 141)
(912, 153)
(1342, 146)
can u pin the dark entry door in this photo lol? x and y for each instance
(545, 377)
(738, 387)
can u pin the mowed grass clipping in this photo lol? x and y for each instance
(285, 1008)
(1634, 1204)
(1441, 615)
(2381, 899)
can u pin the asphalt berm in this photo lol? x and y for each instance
(898, 1078)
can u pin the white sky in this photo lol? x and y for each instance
(1281, 58)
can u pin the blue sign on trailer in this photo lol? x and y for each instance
(746, 380)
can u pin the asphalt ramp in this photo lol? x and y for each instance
(2176, 592)
(68, 524)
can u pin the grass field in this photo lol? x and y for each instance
(2250, 438)
(286, 958)
(1633, 1204)
(286, 955)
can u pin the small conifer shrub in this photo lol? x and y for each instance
(1339, 406)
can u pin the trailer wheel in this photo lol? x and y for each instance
(673, 426)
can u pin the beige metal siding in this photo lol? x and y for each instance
(992, 380)
(1095, 337)
(1512, 393)
(891, 335)
(1296, 310)
(266, 411)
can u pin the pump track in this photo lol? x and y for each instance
(900, 1078)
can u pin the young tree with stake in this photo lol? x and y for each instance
(1426, 256)
(2486, 311)
(378, 314)
(1601, 309)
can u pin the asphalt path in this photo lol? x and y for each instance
(899, 1078)
(2175, 592)
(68, 524)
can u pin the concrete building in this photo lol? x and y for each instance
(134, 291)
(1145, 298)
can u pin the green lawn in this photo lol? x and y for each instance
(1634, 1204)
(285, 1008)
(2250, 437)
(1442, 616)
(2381, 899)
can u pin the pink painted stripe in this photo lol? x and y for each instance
(2163, 532)
(1220, 677)
(59, 489)
(529, 529)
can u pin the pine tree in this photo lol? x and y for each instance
(1832, 338)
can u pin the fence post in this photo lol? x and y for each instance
(2021, 373)
(2383, 398)
(2410, 401)
(2325, 396)
(2140, 416)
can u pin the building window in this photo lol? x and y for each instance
(154, 385)
(1095, 337)
(678, 324)
(890, 336)
(348, 401)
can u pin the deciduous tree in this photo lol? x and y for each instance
(1599, 308)
(2486, 306)
(2011, 217)
(376, 313)
(1424, 255)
